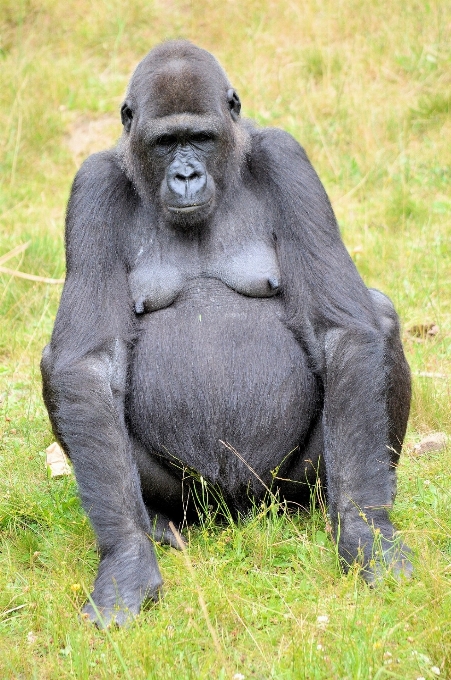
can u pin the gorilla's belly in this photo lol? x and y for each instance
(219, 368)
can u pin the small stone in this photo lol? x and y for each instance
(432, 442)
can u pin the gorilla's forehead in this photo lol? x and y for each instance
(181, 85)
(182, 122)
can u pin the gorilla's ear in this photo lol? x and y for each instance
(234, 103)
(126, 115)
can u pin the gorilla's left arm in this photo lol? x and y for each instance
(332, 314)
(84, 371)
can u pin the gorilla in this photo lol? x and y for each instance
(213, 328)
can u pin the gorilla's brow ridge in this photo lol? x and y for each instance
(179, 122)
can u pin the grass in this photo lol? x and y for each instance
(365, 88)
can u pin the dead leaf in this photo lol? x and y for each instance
(423, 331)
(357, 250)
(22, 275)
(28, 277)
(57, 461)
(432, 442)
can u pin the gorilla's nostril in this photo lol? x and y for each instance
(187, 177)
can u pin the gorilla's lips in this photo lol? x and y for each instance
(188, 208)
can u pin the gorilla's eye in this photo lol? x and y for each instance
(202, 137)
(166, 141)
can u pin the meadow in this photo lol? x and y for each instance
(366, 88)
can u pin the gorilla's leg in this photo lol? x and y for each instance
(299, 474)
(85, 398)
(166, 495)
(398, 373)
(366, 404)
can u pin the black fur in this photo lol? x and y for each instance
(213, 321)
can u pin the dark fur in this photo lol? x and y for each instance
(211, 306)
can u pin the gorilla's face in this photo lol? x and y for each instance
(179, 137)
(180, 156)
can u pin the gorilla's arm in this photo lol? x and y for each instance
(334, 316)
(84, 376)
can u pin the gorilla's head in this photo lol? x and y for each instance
(183, 141)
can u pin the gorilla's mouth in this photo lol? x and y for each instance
(187, 208)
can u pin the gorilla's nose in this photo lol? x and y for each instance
(186, 180)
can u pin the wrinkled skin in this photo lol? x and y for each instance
(213, 325)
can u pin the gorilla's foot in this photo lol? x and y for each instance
(128, 575)
(162, 533)
(391, 558)
(376, 548)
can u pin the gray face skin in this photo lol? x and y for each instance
(187, 188)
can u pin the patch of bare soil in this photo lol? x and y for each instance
(89, 135)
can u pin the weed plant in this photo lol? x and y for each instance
(365, 87)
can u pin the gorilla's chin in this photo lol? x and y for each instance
(189, 216)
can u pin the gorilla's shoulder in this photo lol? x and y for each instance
(100, 191)
(100, 181)
(277, 144)
(100, 169)
(276, 152)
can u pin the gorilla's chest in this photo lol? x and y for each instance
(157, 280)
(164, 262)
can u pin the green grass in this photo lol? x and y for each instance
(364, 86)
